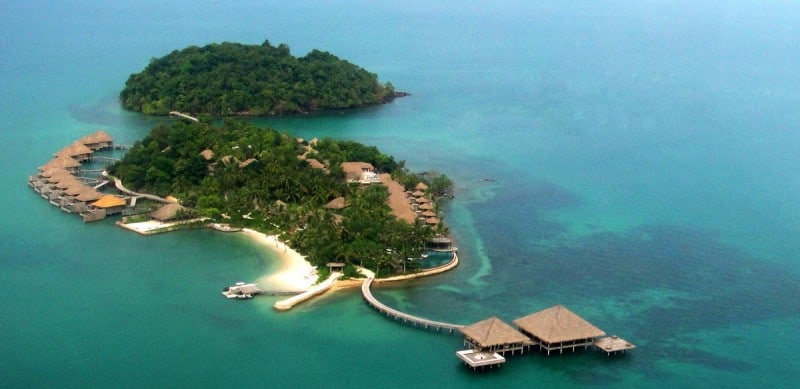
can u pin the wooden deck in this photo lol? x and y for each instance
(613, 344)
(405, 317)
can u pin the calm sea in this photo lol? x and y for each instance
(636, 161)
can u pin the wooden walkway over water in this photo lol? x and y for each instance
(405, 317)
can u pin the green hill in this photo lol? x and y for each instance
(229, 79)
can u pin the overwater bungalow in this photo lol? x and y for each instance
(77, 151)
(494, 335)
(488, 340)
(89, 195)
(65, 163)
(99, 140)
(109, 204)
(558, 328)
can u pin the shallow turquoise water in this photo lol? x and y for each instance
(634, 162)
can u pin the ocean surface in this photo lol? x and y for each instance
(635, 161)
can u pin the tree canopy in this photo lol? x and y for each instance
(260, 178)
(229, 79)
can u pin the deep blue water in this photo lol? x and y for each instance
(634, 161)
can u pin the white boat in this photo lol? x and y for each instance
(240, 290)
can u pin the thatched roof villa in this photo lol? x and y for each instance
(360, 172)
(558, 328)
(99, 140)
(166, 212)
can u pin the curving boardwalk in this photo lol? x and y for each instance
(183, 115)
(121, 188)
(397, 315)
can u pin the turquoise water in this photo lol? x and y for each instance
(634, 161)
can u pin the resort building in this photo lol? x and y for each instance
(494, 335)
(99, 140)
(360, 172)
(77, 151)
(558, 328)
(109, 204)
(166, 212)
(440, 243)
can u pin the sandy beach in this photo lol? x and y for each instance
(295, 274)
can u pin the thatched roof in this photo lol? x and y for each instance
(51, 171)
(226, 159)
(337, 203)
(421, 186)
(61, 162)
(426, 206)
(166, 212)
(58, 175)
(422, 200)
(315, 164)
(418, 193)
(109, 201)
(74, 150)
(76, 188)
(207, 154)
(429, 214)
(68, 182)
(557, 324)
(432, 220)
(89, 195)
(246, 162)
(98, 137)
(492, 332)
(353, 170)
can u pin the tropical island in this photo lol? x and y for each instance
(331, 200)
(232, 79)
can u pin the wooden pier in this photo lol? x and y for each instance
(405, 317)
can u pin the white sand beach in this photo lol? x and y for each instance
(295, 274)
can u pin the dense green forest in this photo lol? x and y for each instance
(247, 176)
(229, 79)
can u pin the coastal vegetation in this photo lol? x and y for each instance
(229, 79)
(245, 176)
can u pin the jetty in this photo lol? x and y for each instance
(322, 287)
(183, 115)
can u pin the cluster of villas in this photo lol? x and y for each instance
(67, 185)
(555, 329)
(62, 182)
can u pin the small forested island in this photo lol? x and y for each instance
(230, 79)
(331, 200)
